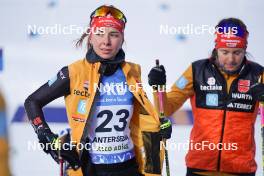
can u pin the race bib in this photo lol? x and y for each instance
(109, 131)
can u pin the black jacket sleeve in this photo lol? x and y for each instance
(56, 87)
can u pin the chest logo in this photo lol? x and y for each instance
(211, 85)
(81, 109)
(212, 99)
(211, 81)
(86, 85)
(243, 86)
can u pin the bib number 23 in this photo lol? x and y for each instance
(123, 114)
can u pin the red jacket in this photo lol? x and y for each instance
(224, 111)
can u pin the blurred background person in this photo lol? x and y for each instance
(4, 147)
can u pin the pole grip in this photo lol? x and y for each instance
(160, 95)
(261, 108)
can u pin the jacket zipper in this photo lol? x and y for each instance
(221, 139)
(224, 119)
(223, 126)
(83, 138)
(225, 108)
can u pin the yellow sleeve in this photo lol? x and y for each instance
(181, 90)
(4, 168)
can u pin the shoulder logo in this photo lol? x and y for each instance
(62, 76)
(181, 82)
(52, 80)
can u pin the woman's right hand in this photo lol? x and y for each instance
(52, 145)
(47, 140)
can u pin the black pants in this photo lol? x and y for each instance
(126, 172)
(128, 168)
(190, 172)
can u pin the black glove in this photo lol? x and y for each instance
(165, 128)
(69, 152)
(47, 140)
(258, 91)
(157, 76)
(52, 145)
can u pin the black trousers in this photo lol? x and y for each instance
(127, 168)
(124, 172)
(190, 172)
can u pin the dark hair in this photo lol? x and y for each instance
(234, 21)
(87, 32)
(85, 35)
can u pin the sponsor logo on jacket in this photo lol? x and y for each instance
(211, 85)
(81, 93)
(78, 118)
(212, 99)
(62, 76)
(86, 85)
(243, 86)
(239, 106)
(81, 109)
(242, 96)
(52, 80)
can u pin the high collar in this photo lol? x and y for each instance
(92, 57)
(107, 67)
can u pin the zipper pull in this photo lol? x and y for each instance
(141, 99)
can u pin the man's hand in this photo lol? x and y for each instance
(258, 91)
(157, 76)
(165, 128)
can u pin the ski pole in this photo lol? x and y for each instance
(261, 107)
(58, 146)
(61, 167)
(161, 114)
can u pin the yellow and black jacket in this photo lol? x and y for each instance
(78, 82)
